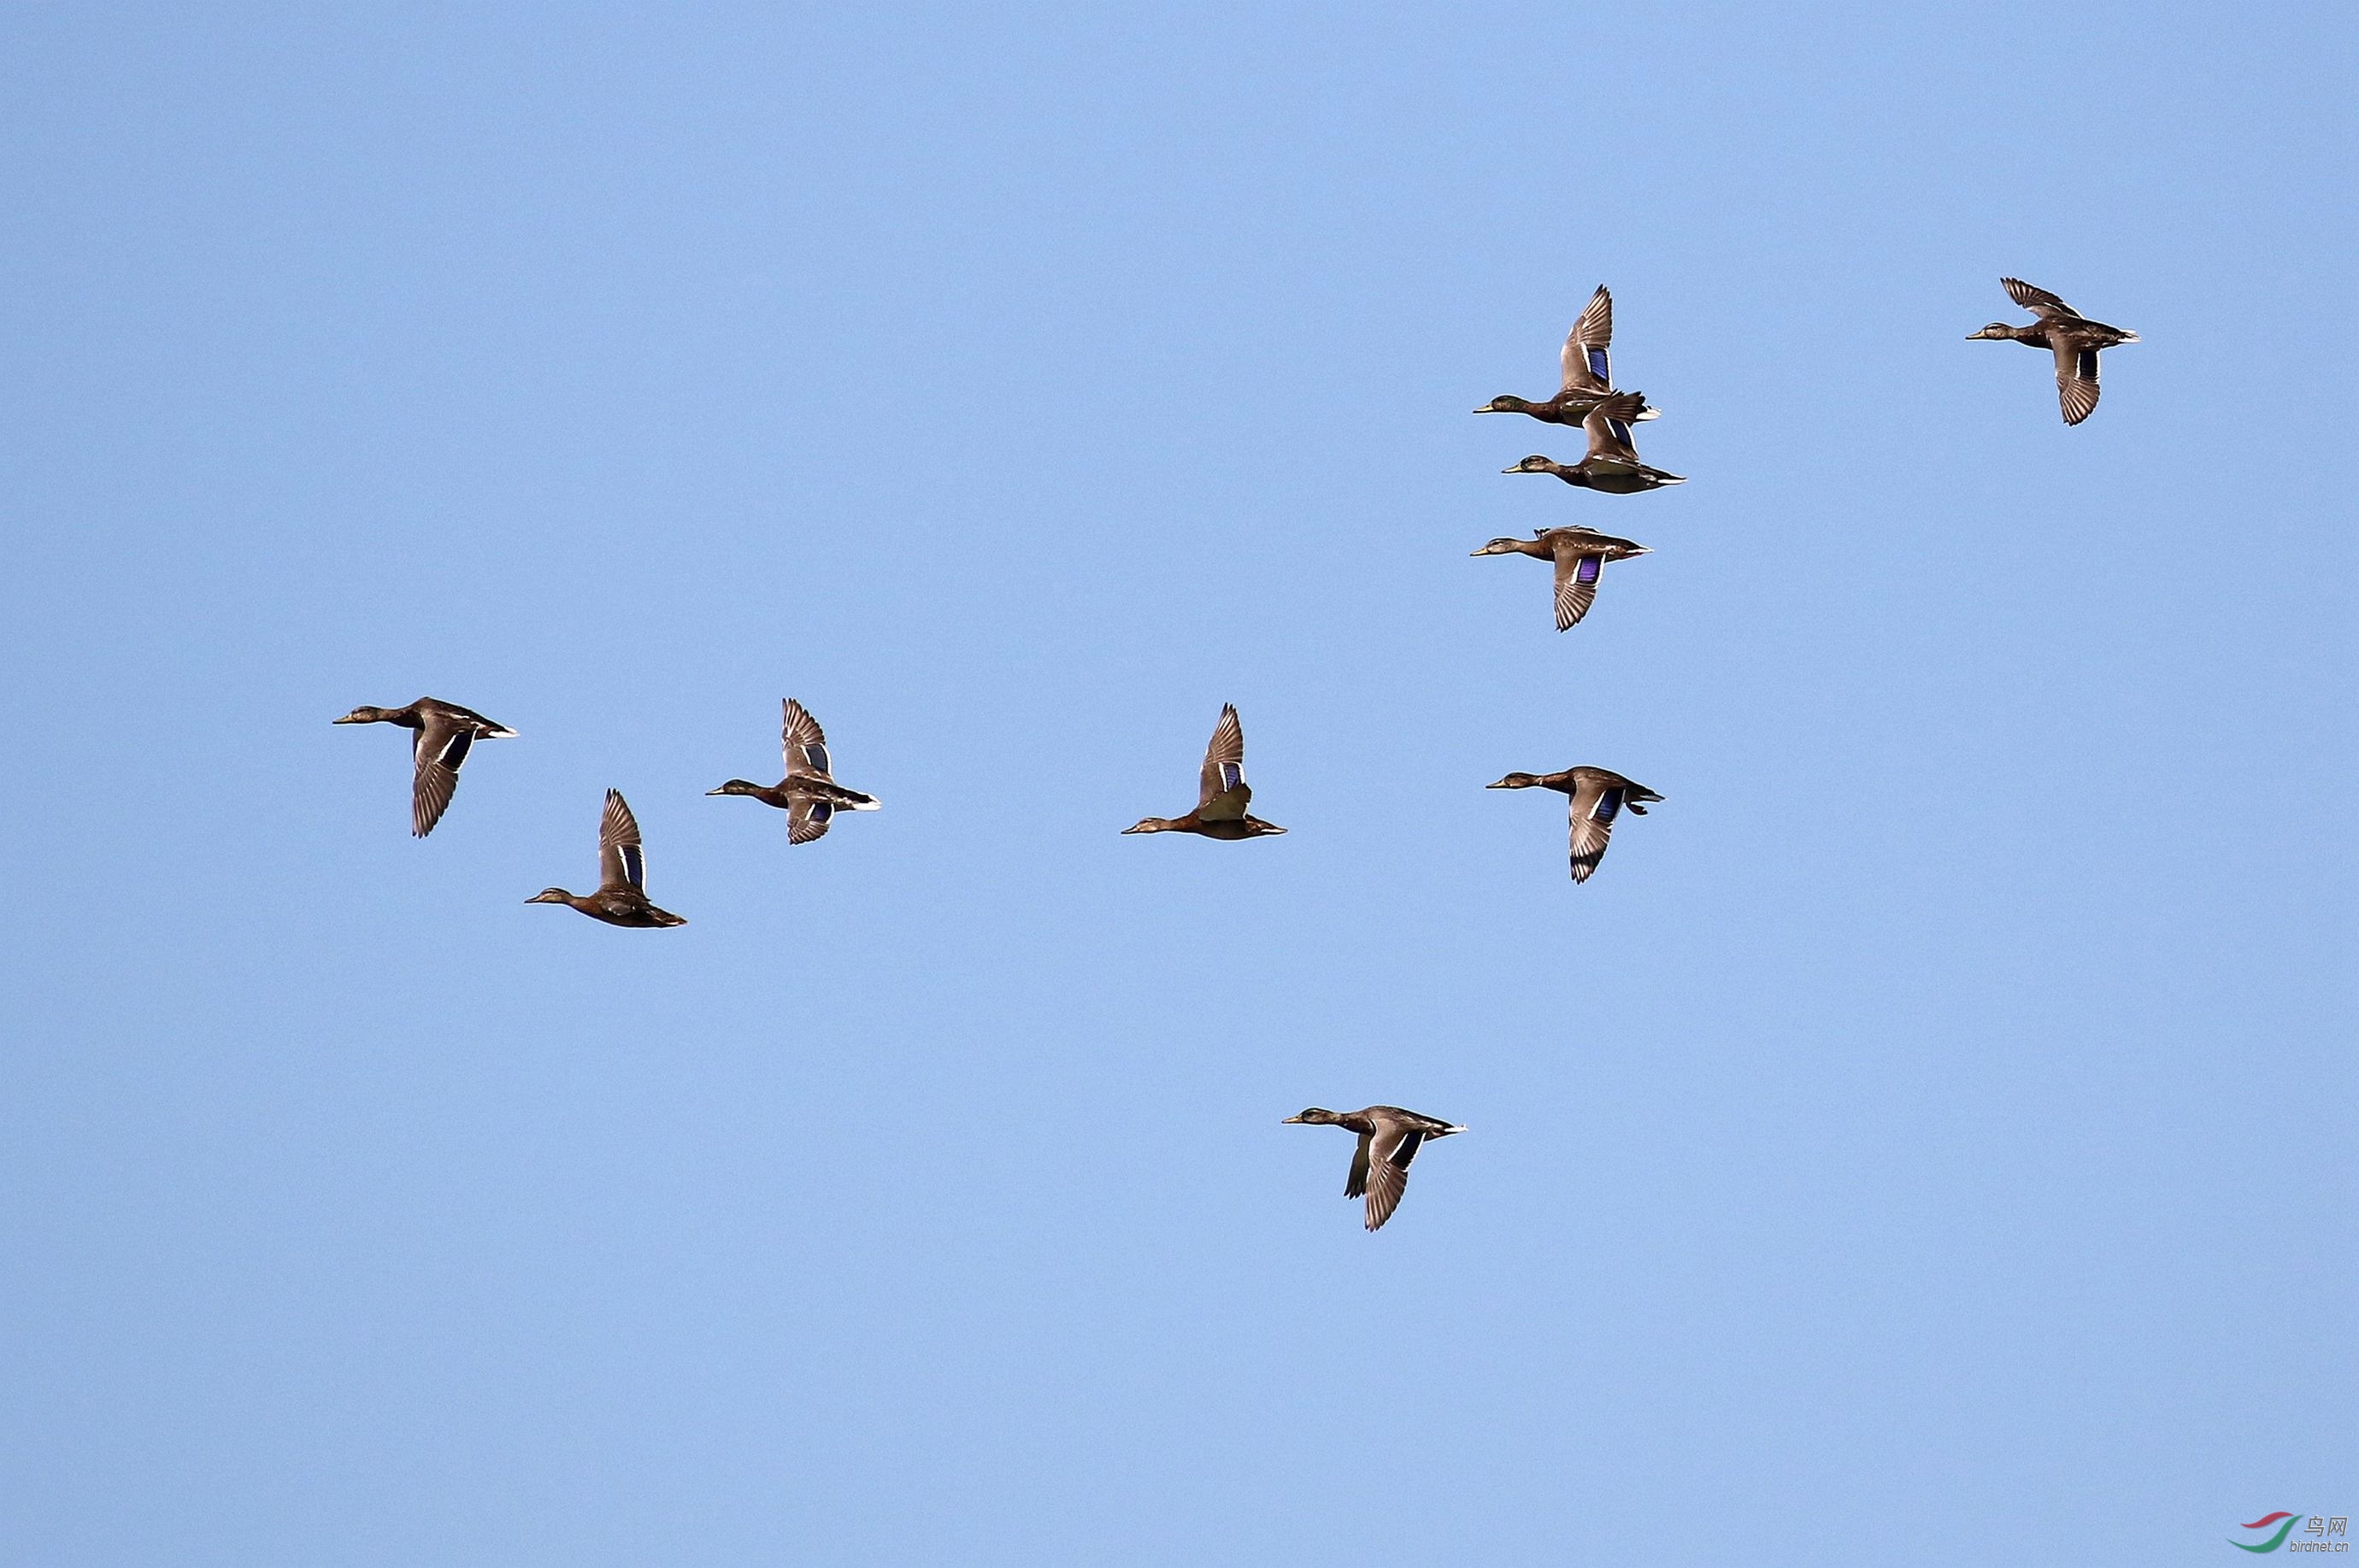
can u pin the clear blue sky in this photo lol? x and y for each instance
(1929, 1138)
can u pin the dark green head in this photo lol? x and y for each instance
(1506, 405)
(1534, 464)
(1314, 1117)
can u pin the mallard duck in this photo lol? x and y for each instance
(1223, 793)
(622, 896)
(1588, 372)
(2074, 338)
(809, 794)
(445, 734)
(1598, 796)
(1613, 464)
(1579, 554)
(1389, 1140)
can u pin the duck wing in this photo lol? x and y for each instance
(1588, 359)
(1577, 571)
(804, 742)
(431, 707)
(1608, 428)
(2038, 301)
(1356, 1183)
(1390, 1149)
(807, 819)
(436, 752)
(2076, 378)
(1597, 800)
(622, 861)
(1221, 793)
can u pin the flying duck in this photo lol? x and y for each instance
(1223, 793)
(445, 732)
(2074, 337)
(809, 794)
(1588, 371)
(1598, 796)
(1579, 554)
(622, 896)
(1389, 1140)
(1613, 464)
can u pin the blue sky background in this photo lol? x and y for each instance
(1929, 1136)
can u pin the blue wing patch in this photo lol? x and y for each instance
(1621, 431)
(456, 751)
(2088, 366)
(635, 865)
(1609, 805)
(822, 812)
(1597, 366)
(816, 757)
(1232, 775)
(1587, 570)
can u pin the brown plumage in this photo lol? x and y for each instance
(622, 896)
(1597, 796)
(809, 794)
(1389, 1139)
(2073, 339)
(1588, 372)
(1612, 465)
(1221, 794)
(445, 732)
(1580, 555)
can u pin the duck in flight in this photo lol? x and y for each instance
(809, 794)
(1389, 1140)
(1598, 796)
(1613, 464)
(1223, 793)
(622, 896)
(2074, 338)
(1588, 372)
(1580, 555)
(445, 732)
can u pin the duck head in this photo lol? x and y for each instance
(736, 786)
(1995, 329)
(1534, 464)
(1514, 781)
(1505, 405)
(1152, 825)
(1314, 1117)
(365, 715)
(551, 895)
(1502, 547)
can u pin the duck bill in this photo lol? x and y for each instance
(1296, 1120)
